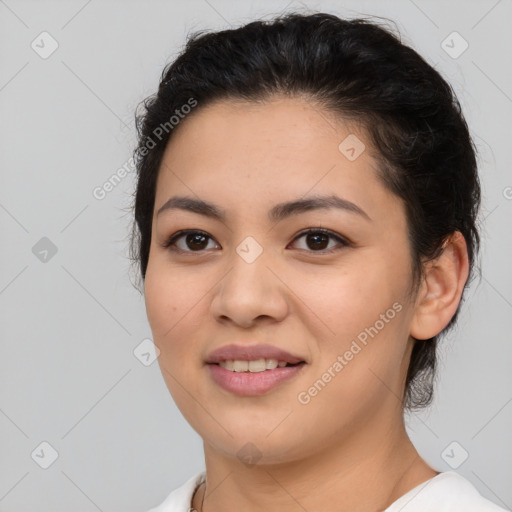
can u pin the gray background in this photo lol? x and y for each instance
(70, 322)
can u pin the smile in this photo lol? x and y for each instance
(243, 381)
(254, 366)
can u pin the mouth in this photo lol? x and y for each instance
(252, 370)
(256, 358)
(255, 365)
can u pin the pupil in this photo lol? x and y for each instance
(194, 237)
(316, 237)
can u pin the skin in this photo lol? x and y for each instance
(347, 449)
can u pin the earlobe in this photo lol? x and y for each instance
(441, 288)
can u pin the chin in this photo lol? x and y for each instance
(257, 448)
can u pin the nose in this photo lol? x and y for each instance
(250, 291)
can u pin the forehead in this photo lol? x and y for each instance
(279, 122)
(269, 152)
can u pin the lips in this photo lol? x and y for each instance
(250, 353)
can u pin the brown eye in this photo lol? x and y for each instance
(317, 240)
(196, 241)
(193, 241)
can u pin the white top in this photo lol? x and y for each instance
(445, 492)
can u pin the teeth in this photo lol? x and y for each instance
(255, 366)
(240, 366)
(272, 363)
(229, 365)
(258, 365)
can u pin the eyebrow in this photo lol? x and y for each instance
(277, 213)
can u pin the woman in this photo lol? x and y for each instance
(305, 228)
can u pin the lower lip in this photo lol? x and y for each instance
(252, 384)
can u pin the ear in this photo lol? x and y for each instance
(441, 288)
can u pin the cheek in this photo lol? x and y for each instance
(345, 301)
(160, 309)
(364, 316)
(171, 303)
(169, 295)
(170, 306)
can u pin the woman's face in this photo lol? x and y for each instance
(339, 302)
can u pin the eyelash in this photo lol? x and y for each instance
(171, 241)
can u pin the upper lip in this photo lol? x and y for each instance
(250, 353)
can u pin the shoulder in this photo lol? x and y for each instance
(446, 492)
(179, 500)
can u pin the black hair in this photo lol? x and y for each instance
(362, 72)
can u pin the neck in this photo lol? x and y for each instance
(368, 470)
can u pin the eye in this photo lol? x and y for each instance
(197, 241)
(194, 239)
(317, 238)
